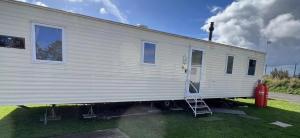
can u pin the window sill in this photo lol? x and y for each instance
(250, 75)
(148, 64)
(47, 62)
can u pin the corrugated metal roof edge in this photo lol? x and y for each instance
(126, 25)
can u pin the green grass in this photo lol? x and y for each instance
(21, 123)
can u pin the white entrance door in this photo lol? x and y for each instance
(194, 72)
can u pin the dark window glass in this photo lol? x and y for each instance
(229, 64)
(251, 68)
(48, 43)
(12, 42)
(149, 53)
(197, 57)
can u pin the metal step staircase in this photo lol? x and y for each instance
(197, 104)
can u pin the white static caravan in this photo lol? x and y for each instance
(49, 56)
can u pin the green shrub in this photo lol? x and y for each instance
(279, 82)
(279, 74)
(294, 83)
(286, 85)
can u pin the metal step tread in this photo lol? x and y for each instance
(203, 112)
(200, 106)
(194, 101)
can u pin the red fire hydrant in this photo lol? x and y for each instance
(261, 95)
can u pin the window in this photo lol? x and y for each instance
(251, 68)
(48, 43)
(229, 66)
(12, 42)
(149, 53)
(197, 57)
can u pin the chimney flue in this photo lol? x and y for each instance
(211, 29)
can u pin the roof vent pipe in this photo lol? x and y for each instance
(211, 29)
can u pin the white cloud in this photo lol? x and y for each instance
(250, 23)
(283, 26)
(215, 9)
(109, 7)
(102, 11)
(40, 4)
(22, 0)
(75, 0)
(114, 10)
(71, 11)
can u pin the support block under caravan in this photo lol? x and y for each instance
(90, 114)
(52, 116)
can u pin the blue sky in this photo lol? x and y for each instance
(175, 16)
(243, 23)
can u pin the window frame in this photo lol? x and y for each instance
(226, 64)
(143, 53)
(247, 72)
(33, 39)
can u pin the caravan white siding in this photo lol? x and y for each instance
(103, 63)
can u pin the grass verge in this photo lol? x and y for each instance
(22, 123)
